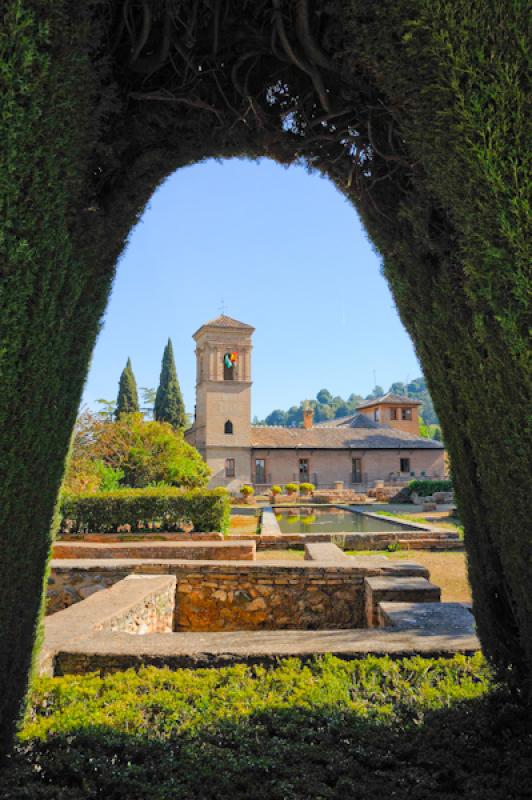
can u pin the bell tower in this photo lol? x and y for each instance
(222, 423)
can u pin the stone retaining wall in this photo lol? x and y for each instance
(67, 587)
(139, 604)
(217, 551)
(216, 596)
(151, 613)
(271, 599)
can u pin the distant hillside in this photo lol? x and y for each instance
(326, 406)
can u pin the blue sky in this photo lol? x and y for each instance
(287, 254)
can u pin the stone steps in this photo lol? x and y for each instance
(397, 589)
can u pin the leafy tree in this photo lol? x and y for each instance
(107, 409)
(277, 417)
(294, 416)
(324, 397)
(377, 391)
(148, 395)
(398, 388)
(323, 413)
(354, 400)
(169, 406)
(131, 452)
(127, 401)
(342, 410)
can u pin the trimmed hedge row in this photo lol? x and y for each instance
(426, 488)
(167, 508)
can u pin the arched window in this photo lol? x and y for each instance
(228, 427)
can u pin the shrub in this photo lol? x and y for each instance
(426, 488)
(276, 490)
(291, 488)
(167, 508)
(140, 453)
(247, 491)
(109, 478)
(306, 488)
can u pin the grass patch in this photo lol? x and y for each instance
(290, 554)
(325, 729)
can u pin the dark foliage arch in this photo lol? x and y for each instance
(414, 109)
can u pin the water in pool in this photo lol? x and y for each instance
(313, 519)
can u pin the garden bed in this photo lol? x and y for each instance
(329, 729)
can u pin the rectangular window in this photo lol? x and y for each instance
(357, 471)
(406, 413)
(303, 470)
(260, 470)
(376, 415)
(393, 413)
(229, 467)
(405, 465)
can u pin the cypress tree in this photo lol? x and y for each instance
(169, 405)
(128, 399)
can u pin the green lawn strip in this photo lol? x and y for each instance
(323, 729)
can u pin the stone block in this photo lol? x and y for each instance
(395, 589)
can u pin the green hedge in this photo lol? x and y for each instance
(426, 488)
(166, 507)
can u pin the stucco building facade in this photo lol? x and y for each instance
(381, 442)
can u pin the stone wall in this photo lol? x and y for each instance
(152, 612)
(230, 596)
(231, 550)
(139, 604)
(273, 598)
(68, 586)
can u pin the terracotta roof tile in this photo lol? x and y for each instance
(390, 398)
(223, 321)
(335, 438)
(351, 421)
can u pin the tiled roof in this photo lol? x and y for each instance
(352, 421)
(390, 398)
(337, 438)
(223, 321)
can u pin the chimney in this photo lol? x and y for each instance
(308, 415)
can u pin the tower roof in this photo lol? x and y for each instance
(227, 323)
(391, 399)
